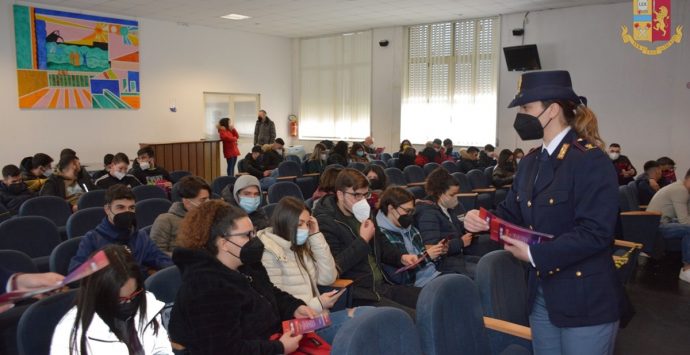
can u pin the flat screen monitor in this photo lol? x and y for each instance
(522, 58)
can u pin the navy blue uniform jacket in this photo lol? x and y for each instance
(575, 198)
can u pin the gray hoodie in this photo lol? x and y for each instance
(164, 229)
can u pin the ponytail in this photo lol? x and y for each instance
(586, 125)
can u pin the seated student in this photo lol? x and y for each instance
(339, 154)
(437, 217)
(437, 144)
(487, 157)
(274, 156)
(119, 227)
(344, 219)
(194, 191)
(82, 174)
(148, 172)
(317, 160)
(517, 155)
(246, 194)
(226, 303)
(648, 182)
(251, 164)
(368, 145)
(406, 158)
(624, 168)
(13, 191)
(377, 182)
(357, 154)
(673, 202)
(326, 183)
(36, 170)
(448, 150)
(298, 260)
(404, 145)
(428, 155)
(328, 144)
(469, 160)
(668, 171)
(66, 182)
(118, 174)
(107, 163)
(113, 314)
(505, 169)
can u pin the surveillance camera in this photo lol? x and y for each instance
(383, 43)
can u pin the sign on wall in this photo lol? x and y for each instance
(68, 60)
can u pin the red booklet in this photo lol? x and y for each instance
(302, 326)
(93, 264)
(499, 227)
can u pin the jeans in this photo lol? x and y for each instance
(231, 165)
(338, 319)
(678, 231)
(547, 339)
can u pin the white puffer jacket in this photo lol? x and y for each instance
(287, 274)
(100, 340)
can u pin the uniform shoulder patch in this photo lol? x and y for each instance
(583, 145)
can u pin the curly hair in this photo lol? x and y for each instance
(438, 182)
(203, 225)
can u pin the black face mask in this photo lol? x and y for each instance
(449, 151)
(125, 220)
(405, 221)
(16, 188)
(376, 184)
(251, 252)
(128, 310)
(528, 127)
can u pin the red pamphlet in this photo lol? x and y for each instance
(499, 227)
(302, 326)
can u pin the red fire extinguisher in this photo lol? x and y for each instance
(293, 125)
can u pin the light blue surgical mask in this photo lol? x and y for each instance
(250, 204)
(301, 237)
(360, 153)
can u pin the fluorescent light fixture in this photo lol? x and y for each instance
(236, 17)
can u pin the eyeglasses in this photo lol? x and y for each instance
(131, 297)
(251, 234)
(409, 211)
(358, 195)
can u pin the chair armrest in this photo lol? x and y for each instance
(627, 244)
(281, 178)
(640, 213)
(421, 183)
(341, 283)
(467, 194)
(311, 174)
(240, 174)
(490, 189)
(513, 329)
(643, 207)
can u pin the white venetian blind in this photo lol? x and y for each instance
(451, 87)
(335, 85)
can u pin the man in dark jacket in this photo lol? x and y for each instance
(68, 182)
(624, 168)
(147, 172)
(35, 170)
(264, 130)
(107, 162)
(118, 174)
(13, 191)
(648, 182)
(273, 157)
(487, 157)
(359, 253)
(119, 227)
(469, 160)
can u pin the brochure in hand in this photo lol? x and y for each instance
(302, 326)
(95, 263)
(499, 227)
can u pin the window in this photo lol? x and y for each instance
(452, 82)
(242, 110)
(335, 87)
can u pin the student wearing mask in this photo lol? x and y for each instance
(119, 227)
(505, 169)
(229, 136)
(226, 303)
(264, 130)
(668, 171)
(487, 157)
(245, 193)
(317, 160)
(118, 174)
(107, 162)
(404, 145)
(113, 313)
(648, 182)
(377, 182)
(518, 154)
(82, 174)
(36, 170)
(448, 150)
(66, 183)
(274, 156)
(358, 154)
(624, 168)
(13, 191)
(194, 191)
(344, 219)
(469, 159)
(437, 144)
(147, 172)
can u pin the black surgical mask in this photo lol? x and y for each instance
(405, 221)
(528, 127)
(125, 220)
(16, 188)
(128, 310)
(251, 252)
(376, 184)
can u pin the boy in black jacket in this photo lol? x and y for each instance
(118, 174)
(13, 191)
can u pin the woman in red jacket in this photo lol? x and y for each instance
(228, 134)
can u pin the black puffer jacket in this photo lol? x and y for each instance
(14, 200)
(221, 311)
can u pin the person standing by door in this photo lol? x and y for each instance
(228, 134)
(265, 129)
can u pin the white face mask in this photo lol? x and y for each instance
(449, 202)
(144, 165)
(279, 151)
(614, 156)
(324, 156)
(361, 210)
(517, 160)
(119, 175)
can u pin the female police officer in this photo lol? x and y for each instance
(566, 188)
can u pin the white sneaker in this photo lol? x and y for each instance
(684, 275)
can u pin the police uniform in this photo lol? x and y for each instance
(573, 195)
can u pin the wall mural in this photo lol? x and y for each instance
(68, 60)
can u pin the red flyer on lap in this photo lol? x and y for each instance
(302, 326)
(499, 227)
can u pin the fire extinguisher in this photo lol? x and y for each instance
(293, 125)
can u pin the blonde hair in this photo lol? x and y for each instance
(581, 119)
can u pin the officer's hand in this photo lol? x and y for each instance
(518, 248)
(475, 224)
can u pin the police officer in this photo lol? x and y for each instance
(566, 188)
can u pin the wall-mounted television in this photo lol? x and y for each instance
(522, 58)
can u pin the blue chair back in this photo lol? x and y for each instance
(417, 191)
(54, 208)
(477, 179)
(357, 165)
(450, 166)
(61, 256)
(449, 317)
(395, 154)
(624, 201)
(385, 157)
(395, 177)
(34, 235)
(429, 167)
(489, 174)
(268, 209)
(145, 192)
(381, 331)
(221, 182)
(283, 188)
(308, 185)
(164, 284)
(5, 214)
(176, 175)
(16, 261)
(148, 210)
(380, 163)
(84, 220)
(392, 163)
(294, 158)
(93, 198)
(289, 168)
(37, 324)
(414, 173)
(464, 182)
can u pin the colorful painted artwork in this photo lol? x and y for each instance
(76, 61)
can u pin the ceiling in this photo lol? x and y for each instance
(305, 18)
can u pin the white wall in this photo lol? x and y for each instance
(177, 63)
